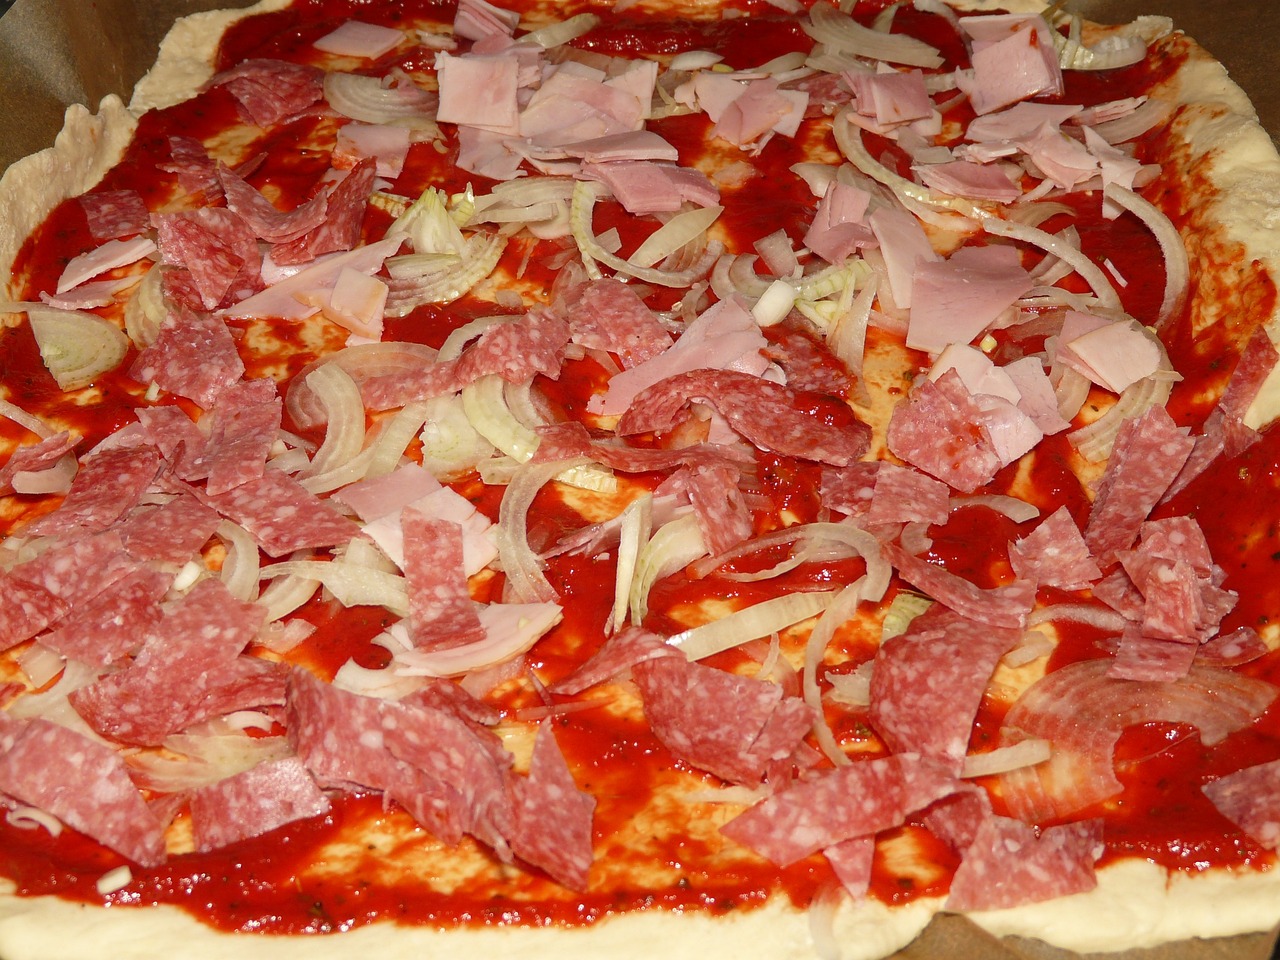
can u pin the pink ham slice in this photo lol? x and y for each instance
(193, 356)
(729, 725)
(768, 414)
(108, 484)
(838, 227)
(1021, 64)
(1149, 452)
(83, 783)
(254, 802)
(927, 684)
(1083, 711)
(976, 181)
(857, 800)
(1010, 863)
(955, 300)
(552, 816)
(647, 186)
(1250, 798)
(892, 98)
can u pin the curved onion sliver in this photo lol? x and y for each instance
(361, 362)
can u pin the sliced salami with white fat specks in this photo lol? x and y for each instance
(937, 430)
(718, 504)
(857, 800)
(619, 653)
(1004, 606)
(193, 356)
(282, 515)
(441, 612)
(609, 315)
(1054, 554)
(268, 91)
(1250, 798)
(108, 483)
(115, 213)
(113, 624)
(552, 816)
(172, 532)
(245, 424)
(253, 802)
(85, 784)
(1009, 863)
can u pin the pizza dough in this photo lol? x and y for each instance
(1139, 909)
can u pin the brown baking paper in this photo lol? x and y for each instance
(57, 52)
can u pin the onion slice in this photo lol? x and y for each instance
(1177, 269)
(76, 347)
(829, 26)
(750, 623)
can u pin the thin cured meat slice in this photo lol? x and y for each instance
(729, 725)
(245, 424)
(903, 495)
(193, 356)
(938, 430)
(172, 532)
(857, 800)
(1148, 658)
(266, 222)
(269, 91)
(1054, 554)
(446, 695)
(552, 816)
(1082, 711)
(723, 517)
(109, 483)
(1004, 606)
(344, 218)
(216, 248)
(441, 612)
(75, 570)
(1240, 646)
(27, 609)
(850, 488)
(808, 365)
(516, 350)
(1177, 538)
(34, 457)
(253, 802)
(609, 315)
(927, 685)
(1149, 452)
(957, 817)
(113, 624)
(282, 515)
(339, 737)
(771, 416)
(184, 671)
(173, 433)
(619, 653)
(1256, 362)
(1250, 798)
(195, 169)
(852, 860)
(83, 783)
(115, 213)
(1009, 863)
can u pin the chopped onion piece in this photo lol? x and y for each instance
(451, 446)
(1017, 510)
(145, 309)
(840, 610)
(352, 586)
(690, 60)
(114, 880)
(774, 304)
(636, 525)
(1033, 645)
(525, 579)
(286, 594)
(33, 818)
(386, 683)
(557, 34)
(418, 279)
(584, 201)
(1177, 270)
(675, 233)
(1095, 440)
(344, 417)
(485, 405)
(240, 567)
(673, 546)
(1095, 615)
(852, 689)
(829, 26)
(1024, 753)
(750, 623)
(40, 664)
(904, 608)
(371, 100)
(362, 361)
(204, 756)
(1089, 271)
(76, 347)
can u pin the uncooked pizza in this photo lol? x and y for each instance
(712, 477)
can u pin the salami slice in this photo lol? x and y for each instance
(552, 816)
(721, 511)
(1148, 658)
(254, 802)
(717, 721)
(183, 672)
(619, 653)
(83, 783)
(441, 612)
(1004, 606)
(195, 169)
(172, 532)
(771, 416)
(115, 213)
(609, 315)
(1009, 864)
(807, 365)
(266, 222)
(927, 685)
(344, 216)
(108, 483)
(216, 248)
(77, 569)
(903, 495)
(268, 91)
(193, 356)
(1054, 554)
(27, 609)
(1149, 451)
(857, 800)
(113, 624)
(34, 457)
(1256, 362)
(282, 515)
(245, 424)
(851, 860)
(1250, 798)
(938, 430)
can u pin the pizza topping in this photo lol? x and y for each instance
(248, 804)
(552, 816)
(1248, 798)
(109, 483)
